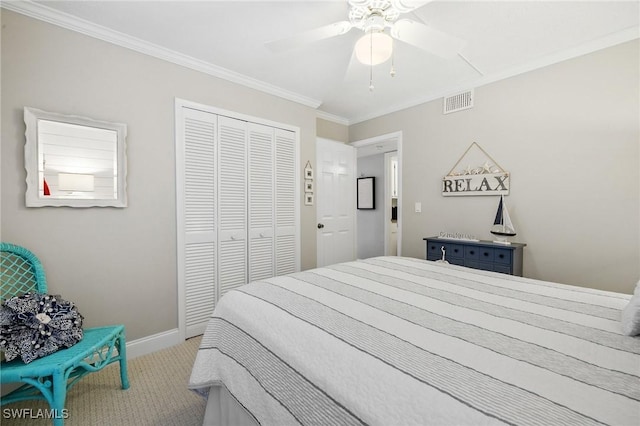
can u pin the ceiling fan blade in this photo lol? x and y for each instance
(303, 39)
(404, 6)
(427, 38)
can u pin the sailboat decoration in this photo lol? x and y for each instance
(502, 226)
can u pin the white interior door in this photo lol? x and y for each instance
(335, 198)
(287, 242)
(196, 214)
(261, 205)
(237, 206)
(232, 204)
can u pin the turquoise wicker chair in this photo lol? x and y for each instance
(48, 378)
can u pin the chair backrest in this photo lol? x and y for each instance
(20, 272)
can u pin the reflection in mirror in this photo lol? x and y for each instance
(74, 161)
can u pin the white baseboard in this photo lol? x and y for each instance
(153, 343)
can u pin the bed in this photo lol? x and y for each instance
(403, 341)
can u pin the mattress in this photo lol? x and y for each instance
(394, 340)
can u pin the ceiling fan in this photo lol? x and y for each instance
(380, 19)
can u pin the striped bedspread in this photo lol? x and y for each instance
(402, 341)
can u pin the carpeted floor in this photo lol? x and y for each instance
(158, 394)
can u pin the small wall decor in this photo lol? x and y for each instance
(366, 193)
(486, 179)
(308, 185)
(308, 199)
(308, 171)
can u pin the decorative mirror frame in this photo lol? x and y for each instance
(32, 196)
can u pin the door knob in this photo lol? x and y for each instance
(320, 226)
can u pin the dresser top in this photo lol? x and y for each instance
(485, 243)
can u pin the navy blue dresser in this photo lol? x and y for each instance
(485, 255)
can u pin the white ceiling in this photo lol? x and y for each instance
(227, 39)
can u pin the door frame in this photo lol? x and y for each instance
(390, 138)
(387, 199)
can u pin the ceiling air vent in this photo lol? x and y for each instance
(458, 102)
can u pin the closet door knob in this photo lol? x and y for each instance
(320, 226)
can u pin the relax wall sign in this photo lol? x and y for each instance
(487, 179)
(484, 184)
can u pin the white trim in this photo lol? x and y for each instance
(331, 117)
(376, 139)
(178, 142)
(153, 343)
(232, 114)
(70, 22)
(387, 199)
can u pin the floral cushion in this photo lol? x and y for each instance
(35, 325)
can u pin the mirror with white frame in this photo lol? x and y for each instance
(74, 161)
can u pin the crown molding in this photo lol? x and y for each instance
(70, 22)
(583, 49)
(332, 117)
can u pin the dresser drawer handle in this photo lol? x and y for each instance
(455, 250)
(472, 252)
(501, 256)
(486, 253)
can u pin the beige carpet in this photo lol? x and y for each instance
(158, 394)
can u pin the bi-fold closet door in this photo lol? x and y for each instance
(240, 208)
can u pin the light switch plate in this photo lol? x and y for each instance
(418, 208)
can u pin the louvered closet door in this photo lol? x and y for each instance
(261, 205)
(286, 243)
(232, 204)
(196, 143)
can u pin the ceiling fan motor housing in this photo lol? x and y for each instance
(373, 15)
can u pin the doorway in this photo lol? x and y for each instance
(379, 231)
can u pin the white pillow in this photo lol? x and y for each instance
(631, 314)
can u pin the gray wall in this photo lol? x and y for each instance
(569, 134)
(117, 265)
(371, 222)
(332, 131)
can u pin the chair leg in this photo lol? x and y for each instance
(59, 397)
(122, 351)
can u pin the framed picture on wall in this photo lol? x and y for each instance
(308, 185)
(308, 199)
(308, 172)
(366, 194)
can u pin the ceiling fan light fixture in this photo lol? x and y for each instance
(374, 48)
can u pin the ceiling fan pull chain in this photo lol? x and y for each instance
(371, 79)
(393, 59)
(371, 62)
